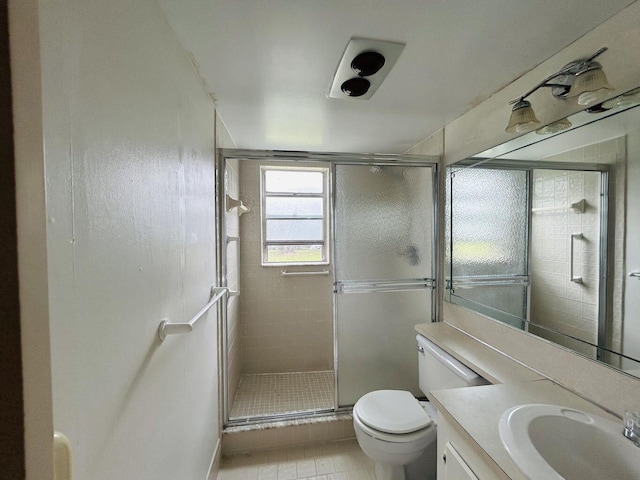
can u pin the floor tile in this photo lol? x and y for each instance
(274, 393)
(342, 460)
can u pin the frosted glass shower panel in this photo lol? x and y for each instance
(376, 342)
(384, 215)
(383, 231)
(489, 230)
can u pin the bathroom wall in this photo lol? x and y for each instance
(286, 322)
(11, 406)
(483, 127)
(130, 232)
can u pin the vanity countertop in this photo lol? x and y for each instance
(481, 358)
(475, 412)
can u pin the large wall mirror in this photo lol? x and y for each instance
(543, 233)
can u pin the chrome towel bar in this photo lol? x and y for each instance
(574, 236)
(165, 328)
(286, 273)
(576, 207)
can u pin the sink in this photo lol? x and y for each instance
(551, 442)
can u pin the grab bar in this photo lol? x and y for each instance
(574, 236)
(165, 328)
(286, 273)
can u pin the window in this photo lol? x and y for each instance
(294, 216)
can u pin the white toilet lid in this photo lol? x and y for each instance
(391, 411)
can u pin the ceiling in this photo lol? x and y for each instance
(269, 63)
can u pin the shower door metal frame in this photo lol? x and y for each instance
(332, 159)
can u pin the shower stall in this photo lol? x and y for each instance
(330, 260)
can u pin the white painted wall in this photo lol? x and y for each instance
(129, 162)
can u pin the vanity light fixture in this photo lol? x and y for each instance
(582, 81)
(625, 100)
(554, 127)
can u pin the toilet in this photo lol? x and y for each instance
(397, 431)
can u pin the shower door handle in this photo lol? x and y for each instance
(574, 236)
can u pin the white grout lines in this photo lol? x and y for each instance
(275, 393)
(329, 461)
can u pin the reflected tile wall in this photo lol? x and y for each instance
(557, 302)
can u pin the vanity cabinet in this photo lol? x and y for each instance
(457, 459)
(455, 467)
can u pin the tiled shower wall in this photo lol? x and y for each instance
(556, 302)
(286, 323)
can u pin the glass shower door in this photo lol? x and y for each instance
(384, 275)
(488, 242)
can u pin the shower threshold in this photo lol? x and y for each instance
(283, 395)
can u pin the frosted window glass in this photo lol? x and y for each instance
(294, 253)
(294, 207)
(291, 181)
(383, 222)
(295, 230)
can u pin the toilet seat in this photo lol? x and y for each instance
(391, 412)
(419, 436)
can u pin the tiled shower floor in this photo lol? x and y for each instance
(277, 393)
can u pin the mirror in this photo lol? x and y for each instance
(543, 233)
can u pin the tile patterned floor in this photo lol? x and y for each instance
(276, 393)
(329, 461)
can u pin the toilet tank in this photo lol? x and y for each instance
(438, 370)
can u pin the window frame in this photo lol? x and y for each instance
(324, 195)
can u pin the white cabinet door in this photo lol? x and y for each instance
(455, 467)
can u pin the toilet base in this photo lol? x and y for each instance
(386, 471)
(424, 468)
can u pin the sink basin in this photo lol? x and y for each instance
(550, 442)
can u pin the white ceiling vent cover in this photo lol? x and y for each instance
(390, 50)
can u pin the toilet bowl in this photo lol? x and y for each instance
(398, 432)
(395, 431)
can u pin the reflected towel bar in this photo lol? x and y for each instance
(286, 273)
(573, 278)
(165, 328)
(577, 207)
